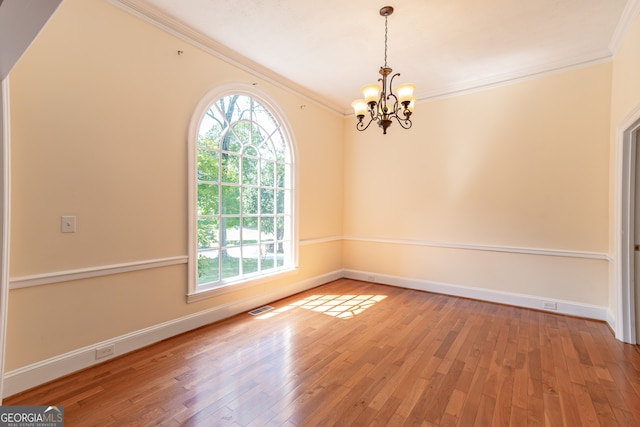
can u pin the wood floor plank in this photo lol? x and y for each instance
(358, 353)
(586, 408)
(474, 396)
(568, 402)
(502, 413)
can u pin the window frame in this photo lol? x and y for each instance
(195, 292)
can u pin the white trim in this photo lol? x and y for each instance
(532, 73)
(5, 219)
(38, 373)
(518, 300)
(629, 14)
(233, 287)
(624, 214)
(234, 88)
(489, 248)
(105, 270)
(611, 320)
(320, 240)
(156, 17)
(87, 273)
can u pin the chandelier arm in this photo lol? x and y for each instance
(391, 85)
(361, 126)
(404, 123)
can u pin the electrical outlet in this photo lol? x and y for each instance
(550, 305)
(106, 351)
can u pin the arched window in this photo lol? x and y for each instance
(242, 223)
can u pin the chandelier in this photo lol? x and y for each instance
(379, 101)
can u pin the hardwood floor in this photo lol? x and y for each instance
(352, 353)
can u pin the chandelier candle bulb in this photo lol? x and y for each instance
(360, 107)
(412, 104)
(405, 92)
(371, 93)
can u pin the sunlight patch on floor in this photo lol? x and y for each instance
(340, 306)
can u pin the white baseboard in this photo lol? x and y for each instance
(41, 372)
(519, 300)
(611, 321)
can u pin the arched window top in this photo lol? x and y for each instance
(242, 223)
(244, 125)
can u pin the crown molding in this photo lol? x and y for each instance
(629, 14)
(471, 86)
(156, 17)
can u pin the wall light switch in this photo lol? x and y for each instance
(68, 224)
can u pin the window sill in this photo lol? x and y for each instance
(236, 286)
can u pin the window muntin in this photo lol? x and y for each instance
(244, 193)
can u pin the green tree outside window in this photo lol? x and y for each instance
(244, 214)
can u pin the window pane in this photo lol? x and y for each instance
(280, 205)
(266, 150)
(208, 199)
(267, 171)
(249, 171)
(250, 230)
(259, 135)
(211, 128)
(284, 249)
(279, 146)
(208, 164)
(250, 201)
(265, 119)
(250, 259)
(207, 233)
(235, 140)
(230, 168)
(281, 175)
(235, 107)
(280, 228)
(230, 200)
(230, 231)
(250, 150)
(267, 228)
(267, 255)
(208, 267)
(266, 201)
(230, 264)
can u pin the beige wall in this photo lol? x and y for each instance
(518, 166)
(625, 95)
(100, 108)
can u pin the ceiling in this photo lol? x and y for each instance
(328, 49)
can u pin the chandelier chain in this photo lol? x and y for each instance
(386, 31)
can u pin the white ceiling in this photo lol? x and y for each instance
(330, 48)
